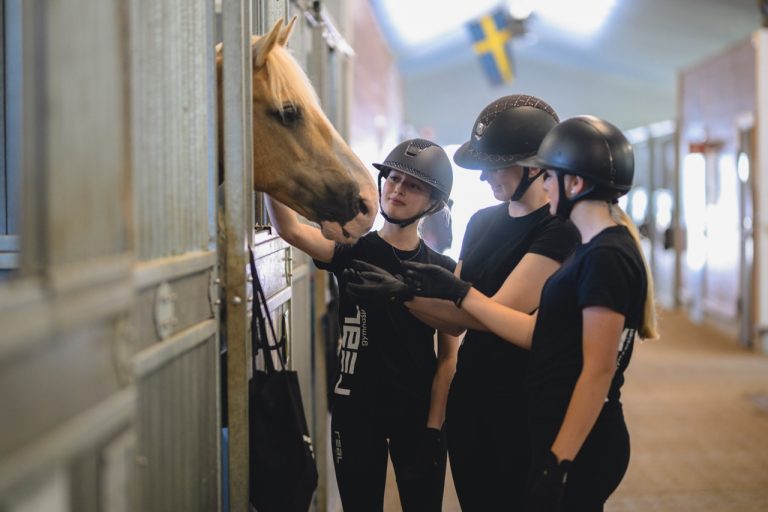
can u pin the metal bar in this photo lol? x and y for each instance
(160, 353)
(166, 269)
(90, 273)
(74, 437)
(237, 116)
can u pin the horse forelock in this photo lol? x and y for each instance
(286, 82)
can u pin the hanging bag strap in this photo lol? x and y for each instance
(259, 320)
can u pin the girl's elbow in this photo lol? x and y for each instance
(454, 330)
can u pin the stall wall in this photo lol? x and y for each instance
(720, 216)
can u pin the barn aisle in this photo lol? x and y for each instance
(697, 409)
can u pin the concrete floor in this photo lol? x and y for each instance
(697, 410)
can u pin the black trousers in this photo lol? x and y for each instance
(361, 441)
(489, 450)
(599, 466)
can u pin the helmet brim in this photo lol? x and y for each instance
(469, 158)
(464, 159)
(532, 161)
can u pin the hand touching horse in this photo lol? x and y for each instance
(298, 157)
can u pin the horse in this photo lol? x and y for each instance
(299, 158)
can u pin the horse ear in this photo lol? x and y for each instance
(287, 31)
(264, 44)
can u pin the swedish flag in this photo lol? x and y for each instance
(491, 35)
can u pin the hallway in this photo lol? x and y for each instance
(697, 411)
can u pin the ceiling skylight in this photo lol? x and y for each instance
(417, 22)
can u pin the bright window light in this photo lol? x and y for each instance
(639, 205)
(469, 195)
(743, 166)
(695, 210)
(421, 21)
(577, 17)
(664, 204)
(521, 9)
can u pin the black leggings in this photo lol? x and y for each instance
(360, 444)
(599, 466)
(489, 449)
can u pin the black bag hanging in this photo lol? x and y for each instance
(283, 473)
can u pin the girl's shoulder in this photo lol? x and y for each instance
(490, 212)
(614, 247)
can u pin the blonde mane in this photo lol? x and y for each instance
(286, 81)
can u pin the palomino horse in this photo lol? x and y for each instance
(298, 157)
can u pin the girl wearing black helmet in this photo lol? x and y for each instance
(591, 310)
(390, 393)
(508, 252)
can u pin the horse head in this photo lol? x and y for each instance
(298, 156)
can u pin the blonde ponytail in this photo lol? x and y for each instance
(648, 328)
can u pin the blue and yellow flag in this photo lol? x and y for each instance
(491, 36)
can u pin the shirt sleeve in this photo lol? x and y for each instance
(343, 254)
(606, 279)
(556, 240)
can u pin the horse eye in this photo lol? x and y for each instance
(290, 114)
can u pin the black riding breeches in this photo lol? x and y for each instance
(361, 443)
(489, 450)
(599, 466)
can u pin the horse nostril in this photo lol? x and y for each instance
(363, 207)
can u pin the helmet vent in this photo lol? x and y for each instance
(513, 101)
(419, 144)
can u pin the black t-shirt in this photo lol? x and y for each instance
(387, 358)
(494, 243)
(607, 271)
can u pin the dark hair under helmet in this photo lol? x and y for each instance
(425, 161)
(592, 148)
(507, 131)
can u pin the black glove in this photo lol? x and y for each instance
(549, 485)
(426, 454)
(435, 449)
(369, 284)
(435, 281)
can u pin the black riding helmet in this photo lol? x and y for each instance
(592, 148)
(426, 161)
(507, 131)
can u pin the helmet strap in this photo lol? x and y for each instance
(526, 181)
(565, 204)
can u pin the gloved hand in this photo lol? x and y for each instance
(548, 487)
(435, 281)
(368, 284)
(426, 454)
(434, 447)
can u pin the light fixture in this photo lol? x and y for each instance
(520, 9)
(422, 21)
(577, 17)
